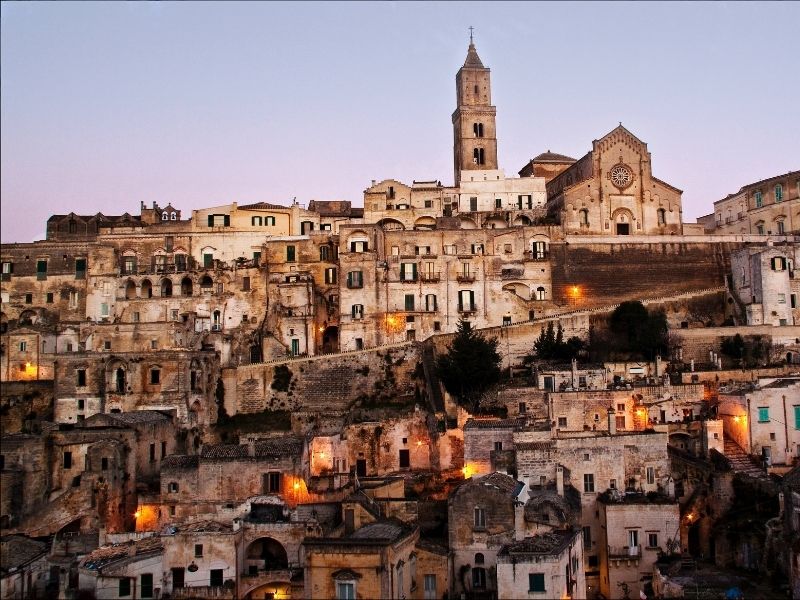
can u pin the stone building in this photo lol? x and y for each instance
(24, 567)
(377, 560)
(767, 207)
(548, 565)
(765, 421)
(482, 513)
(634, 529)
(612, 191)
(765, 285)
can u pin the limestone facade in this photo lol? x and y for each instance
(764, 282)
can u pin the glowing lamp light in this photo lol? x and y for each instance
(321, 329)
(419, 442)
(27, 365)
(137, 514)
(296, 485)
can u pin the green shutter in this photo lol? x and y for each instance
(414, 271)
(797, 417)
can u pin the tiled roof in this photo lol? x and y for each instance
(385, 530)
(552, 542)
(263, 206)
(473, 60)
(503, 482)
(331, 208)
(479, 423)
(545, 445)
(137, 417)
(108, 554)
(553, 157)
(19, 550)
(180, 461)
(278, 447)
(205, 526)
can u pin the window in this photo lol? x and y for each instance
(781, 227)
(107, 345)
(124, 587)
(587, 536)
(272, 482)
(477, 129)
(67, 459)
(345, 590)
(422, 250)
(582, 381)
(330, 275)
(763, 414)
(104, 309)
(536, 582)
(155, 376)
(81, 404)
(198, 550)
(479, 518)
(477, 248)
(290, 253)
(428, 203)
(255, 221)
(778, 263)
(437, 326)
(619, 421)
(540, 294)
(781, 298)
(562, 421)
(473, 204)
(429, 587)
(152, 453)
(163, 449)
(49, 298)
(269, 221)
(219, 220)
(651, 475)
(405, 459)
(498, 203)
(652, 540)
(23, 346)
(359, 343)
(478, 578)
(778, 193)
(633, 538)
(172, 487)
(355, 280)
(80, 268)
(466, 301)
(146, 585)
(430, 302)
(324, 253)
(409, 301)
(539, 250)
(7, 270)
(760, 229)
(759, 199)
(245, 284)
(359, 246)
(612, 484)
(583, 217)
(41, 269)
(215, 579)
(450, 249)
(357, 311)
(523, 408)
(588, 482)
(408, 271)
(81, 377)
(28, 298)
(662, 216)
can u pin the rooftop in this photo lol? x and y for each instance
(19, 550)
(549, 543)
(106, 555)
(553, 157)
(180, 461)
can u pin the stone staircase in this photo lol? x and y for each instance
(743, 463)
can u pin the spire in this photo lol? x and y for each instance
(473, 60)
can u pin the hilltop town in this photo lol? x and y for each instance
(541, 385)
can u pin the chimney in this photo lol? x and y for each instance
(373, 183)
(612, 421)
(560, 480)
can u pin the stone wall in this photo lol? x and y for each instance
(22, 400)
(324, 384)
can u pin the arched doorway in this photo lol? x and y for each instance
(623, 221)
(166, 288)
(186, 286)
(265, 554)
(130, 290)
(147, 289)
(330, 339)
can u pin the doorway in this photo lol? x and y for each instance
(623, 229)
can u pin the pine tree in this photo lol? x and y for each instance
(470, 367)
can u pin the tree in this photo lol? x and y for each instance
(550, 345)
(470, 367)
(637, 331)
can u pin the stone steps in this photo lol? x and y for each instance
(741, 462)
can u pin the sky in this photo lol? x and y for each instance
(106, 105)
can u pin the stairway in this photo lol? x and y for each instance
(431, 380)
(741, 462)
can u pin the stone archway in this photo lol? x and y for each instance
(623, 221)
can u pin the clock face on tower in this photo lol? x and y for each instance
(621, 176)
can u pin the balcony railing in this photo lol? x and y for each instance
(467, 308)
(430, 277)
(625, 551)
(465, 278)
(536, 256)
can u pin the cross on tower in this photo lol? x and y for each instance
(471, 28)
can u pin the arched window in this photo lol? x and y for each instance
(583, 216)
(119, 380)
(147, 289)
(164, 216)
(166, 288)
(130, 290)
(662, 216)
(172, 487)
(206, 284)
(479, 559)
(540, 293)
(173, 216)
(186, 286)
(539, 250)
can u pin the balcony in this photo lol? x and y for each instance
(467, 309)
(432, 277)
(408, 279)
(536, 256)
(624, 552)
(204, 591)
(465, 278)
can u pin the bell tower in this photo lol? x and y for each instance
(474, 131)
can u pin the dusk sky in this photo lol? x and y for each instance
(105, 105)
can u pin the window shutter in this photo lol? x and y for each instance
(414, 271)
(227, 220)
(210, 220)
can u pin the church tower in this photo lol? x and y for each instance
(474, 132)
